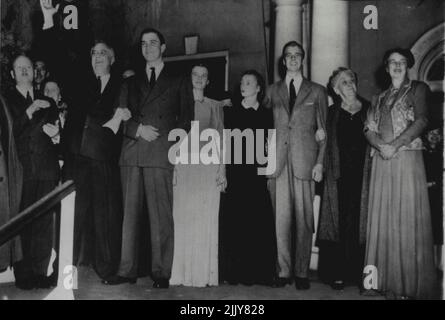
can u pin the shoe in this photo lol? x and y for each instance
(116, 280)
(161, 284)
(302, 283)
(279, 282)
(338, 285)
(44, 282)
(26, 284)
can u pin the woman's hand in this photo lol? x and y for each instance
(387, 151)
(317, 173)
(221, 180)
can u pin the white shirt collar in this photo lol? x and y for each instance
(254, 107)
(158, 68)
(298, 79)
(24, 92)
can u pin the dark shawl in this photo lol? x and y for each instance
(328, 228)
(10, 252)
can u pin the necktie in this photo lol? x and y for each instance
(292, 95)
(99, 85)
(152, 77)
(28, 99)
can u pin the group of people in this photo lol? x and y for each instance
(210, 223)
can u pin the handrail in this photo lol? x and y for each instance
(14, 226)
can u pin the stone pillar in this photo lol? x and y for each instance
(330, 34)
(330, 50)
(288, 26)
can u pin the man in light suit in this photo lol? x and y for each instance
(300, 109)
(159, 102)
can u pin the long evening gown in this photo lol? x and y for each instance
(196, 199)
(399, 241)
(247, 224)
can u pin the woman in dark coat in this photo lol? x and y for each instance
(10, 186)
(342, 224)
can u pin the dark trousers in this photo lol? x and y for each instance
(37, 237)
(98, 214)
(155, 187)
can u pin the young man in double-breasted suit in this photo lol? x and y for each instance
(300, 110)
(159, 102)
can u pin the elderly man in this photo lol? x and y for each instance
(31, 115)
(11, 176)
(92, 144)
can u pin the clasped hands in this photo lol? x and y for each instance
(36, 106)
(147, 132)
(387, 151)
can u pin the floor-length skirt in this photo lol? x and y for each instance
(247, 228)
(195, 213)
(399, 232)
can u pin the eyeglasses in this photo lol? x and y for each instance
(292, 56)
(151, 43)
(397, 63)
(99, 53)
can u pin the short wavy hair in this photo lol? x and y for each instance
(337, 73)
(404, 52)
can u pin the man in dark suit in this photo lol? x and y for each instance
(159, 102)
(92, 149)
(38, 156)
(11, 181)
(300, 110)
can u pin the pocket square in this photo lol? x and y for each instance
(308, 103)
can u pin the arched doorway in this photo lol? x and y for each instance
(429, 52)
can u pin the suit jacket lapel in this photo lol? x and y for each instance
(162, 83)
(144, 88)
(304, 91)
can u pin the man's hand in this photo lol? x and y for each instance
(52, 131)
(320, 135)
(123, 114)
(227, 103)
(317, 173)
(36, 106)
(48, 11)
(147, 133)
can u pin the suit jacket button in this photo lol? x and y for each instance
(86, 126)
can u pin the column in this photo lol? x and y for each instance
(288, 26)
(330, 35)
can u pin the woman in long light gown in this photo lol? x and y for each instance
(196, 197)
(399, 232)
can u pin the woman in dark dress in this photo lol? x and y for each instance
(246, 224)
(342, 227)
